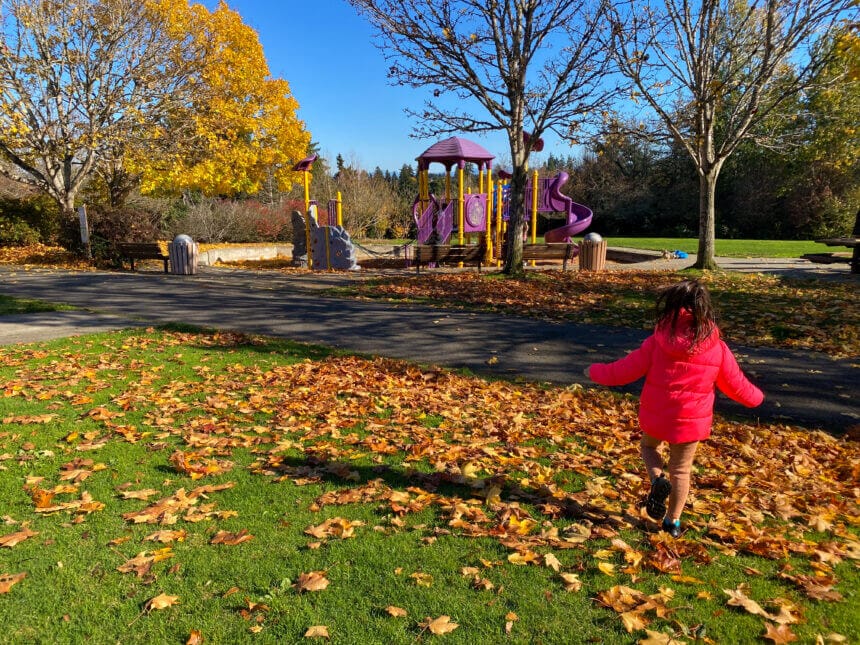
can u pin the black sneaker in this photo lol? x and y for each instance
(672, 527)
(655, 505)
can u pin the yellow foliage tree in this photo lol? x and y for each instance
(239, 131)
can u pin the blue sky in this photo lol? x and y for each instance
(326, 53)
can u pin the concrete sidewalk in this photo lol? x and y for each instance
(807, 388)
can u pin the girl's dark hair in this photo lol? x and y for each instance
(690, 295)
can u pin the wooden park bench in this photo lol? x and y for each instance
(550, 251)
(439, 253)
(142, 251)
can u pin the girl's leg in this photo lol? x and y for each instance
(680, 466)
(653, 461)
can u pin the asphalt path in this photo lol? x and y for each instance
(804, 388)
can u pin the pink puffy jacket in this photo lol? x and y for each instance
(677, 399)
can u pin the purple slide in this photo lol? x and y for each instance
(552, 200)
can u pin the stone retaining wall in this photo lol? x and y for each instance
(249, 252)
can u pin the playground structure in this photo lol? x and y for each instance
(487, 211)
(321, 245)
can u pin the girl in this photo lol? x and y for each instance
(681, 361)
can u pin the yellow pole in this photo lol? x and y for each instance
(308, 221)
(488, 251)
(423, 190)
(339, 209)
(534, 206)
(460, 204)
(498, 249)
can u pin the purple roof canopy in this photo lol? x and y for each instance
(455, 151)
(305, 164)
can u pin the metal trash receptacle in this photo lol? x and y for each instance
(592, 253)
(183, 253)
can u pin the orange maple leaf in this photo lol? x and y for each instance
(7, 580)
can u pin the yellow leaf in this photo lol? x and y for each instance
(633, 621)
(606, 567)
(161, 601)
(317, 631)
(571, 581)
(524, 557)
(441, 625)
(422, 579)
(658, 638)
(552, 562)
(397, 612)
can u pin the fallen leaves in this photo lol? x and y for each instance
(755, 309)
(317, 631)
(554, 480)
(440, 625)
(141, 564)
(12, 539)
(312, 581)
(197, 466)
(779, 634)
(231, 539)
(335, 527)
(159, 602)
(8, 580)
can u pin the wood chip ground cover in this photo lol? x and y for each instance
(234, 488)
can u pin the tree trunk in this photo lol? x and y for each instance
(707, 219)
(516, 223)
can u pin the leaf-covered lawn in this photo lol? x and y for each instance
(166, 486)
(754, 309)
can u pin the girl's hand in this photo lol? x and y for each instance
(585, 371)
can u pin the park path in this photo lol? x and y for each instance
(806, 388)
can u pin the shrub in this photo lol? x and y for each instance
(37, 213)
(17, 233)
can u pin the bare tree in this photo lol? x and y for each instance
(513, 65)
(76, 78)
(717, 71)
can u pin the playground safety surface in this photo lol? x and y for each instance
(806, 388)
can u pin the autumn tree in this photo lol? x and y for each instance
(76, 78)
(239, 132)
(514, 65)
(716, 71)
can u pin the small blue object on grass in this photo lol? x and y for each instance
(681, 255)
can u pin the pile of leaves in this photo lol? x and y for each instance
(541, 472)
(753, 309)
(43, 256)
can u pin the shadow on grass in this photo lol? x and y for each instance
(449, 483)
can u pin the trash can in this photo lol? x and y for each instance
(183, 253)
(592, 253)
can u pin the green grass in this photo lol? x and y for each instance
(724, 248)
(167, 389)
(10, 305)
